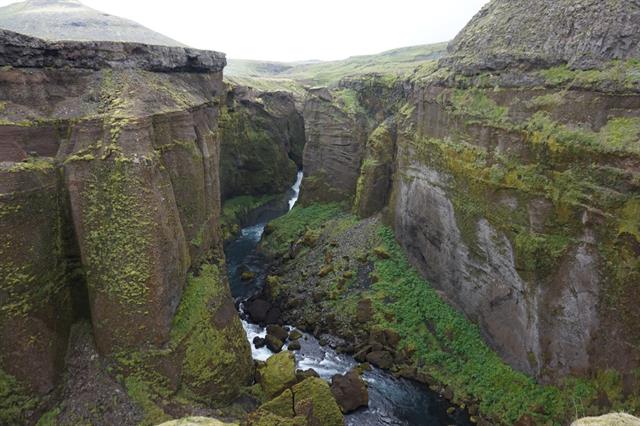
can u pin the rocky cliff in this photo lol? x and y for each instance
(110, 203)
(262, 136)
(512, 169)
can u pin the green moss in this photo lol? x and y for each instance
(539, 253)
(477, 107)
(15, 400)
(278, 373)
(347, 100)
(50, 418)
(33, 164)
(217, 357)
(325, 408)
(141, 392)
(621, 134)
(626, 74)
(118, 227)
(630, 219)
(282, 405)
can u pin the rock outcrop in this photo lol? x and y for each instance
(581, 34)
(513, 174)
(110, 197)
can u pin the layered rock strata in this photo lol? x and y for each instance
(109, 197)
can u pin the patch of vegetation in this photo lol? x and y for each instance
(292, 225)
(141, 392)
(399, 62)
(625, 74)
(215, 349)
(15, 401)
(477, 107)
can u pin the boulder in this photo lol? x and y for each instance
(277, 332)
(258, 310)
(381, 359)
(313, 399)
(350, 391)
(294, 346)
(273, 343)
(259, 342)
(364, 311)
(277, 373)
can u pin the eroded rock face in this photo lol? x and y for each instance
(121, 178)
(516, 193)
(583, 34)
(262, 137)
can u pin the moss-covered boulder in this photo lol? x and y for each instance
(277, 373)
(313, 398)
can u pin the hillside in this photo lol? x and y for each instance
(293, 75)
(71, 20)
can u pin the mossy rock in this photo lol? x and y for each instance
(277, 373)
(381, 252)
(281, 405)
(197, 421)
(312, 397)
(267, 418)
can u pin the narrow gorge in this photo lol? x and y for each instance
(461, 244)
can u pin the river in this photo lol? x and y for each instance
(392, 401)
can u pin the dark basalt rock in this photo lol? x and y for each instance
(350, 391)
(18, 50)
(278, 332)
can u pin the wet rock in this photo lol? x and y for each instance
(350, 391)
(294, 335)
(303, 374)
(294, 346)
(273, 343)
(381, 359)
(268, 229)
(278, 332)
(361, 355)
(258, 310)
(259, 342)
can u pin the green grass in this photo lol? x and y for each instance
(292, 225)
(401, 62)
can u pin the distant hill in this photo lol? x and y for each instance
(71, 20)
(290, 75)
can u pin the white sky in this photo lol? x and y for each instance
(290, 30)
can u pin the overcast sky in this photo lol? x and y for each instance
(290, 30)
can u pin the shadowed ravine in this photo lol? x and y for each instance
(391, 401)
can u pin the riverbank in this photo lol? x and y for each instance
(336, 275)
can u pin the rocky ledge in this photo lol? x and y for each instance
(18, 50)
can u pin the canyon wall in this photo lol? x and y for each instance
(110, 202)
(509, 172)
(262, 137)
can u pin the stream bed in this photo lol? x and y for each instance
(392, 401)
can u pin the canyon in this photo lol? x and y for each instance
(470, 221)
